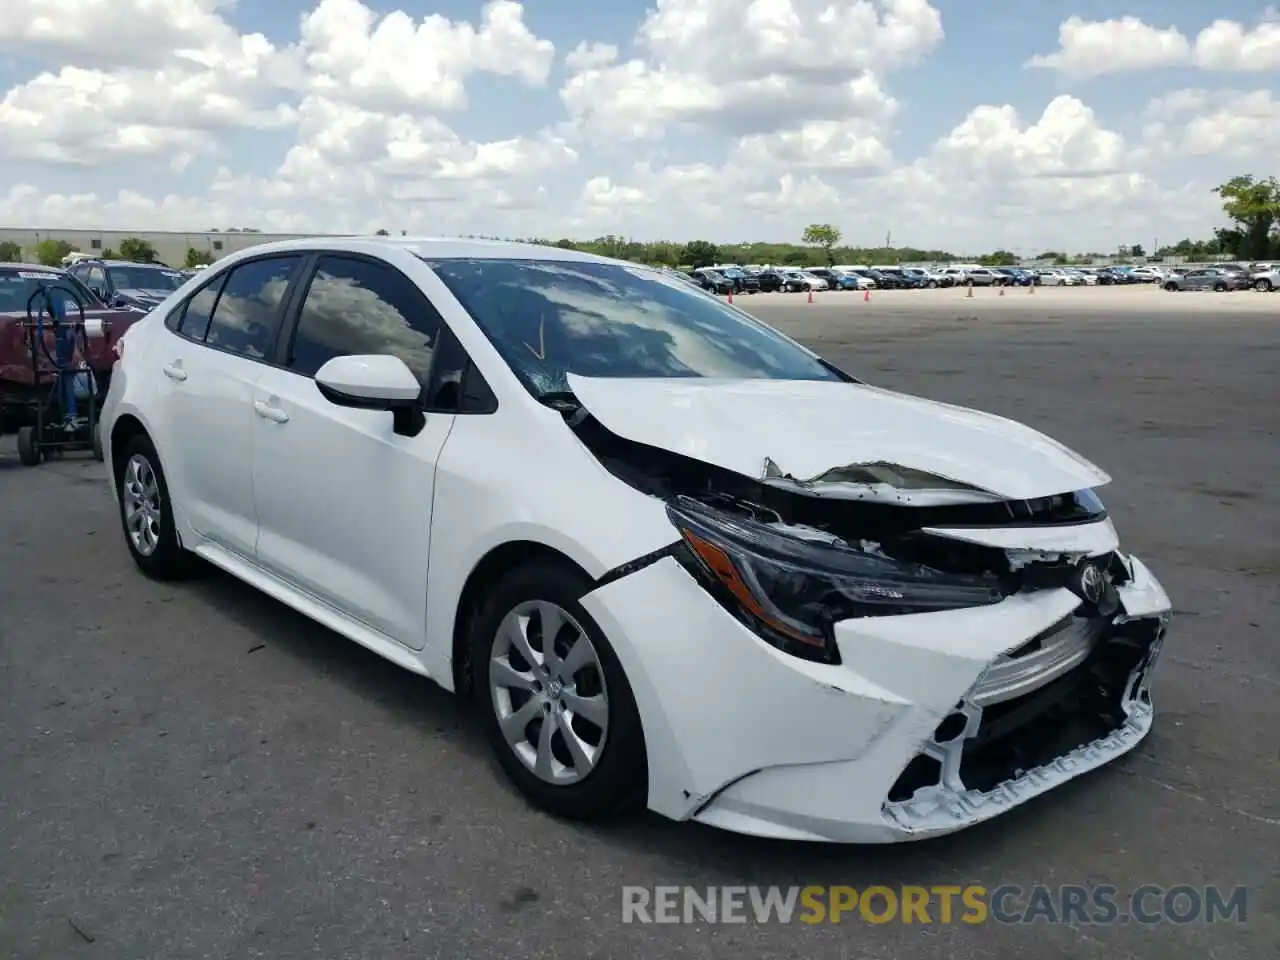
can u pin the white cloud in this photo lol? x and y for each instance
(1226, 45)
(718, 65)
(395, 63)
(1088, 49)
(88, 32)
(1241, 125)
(717, 119)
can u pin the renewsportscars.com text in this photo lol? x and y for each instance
(942, 904)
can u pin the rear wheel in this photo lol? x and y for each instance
(1171, 287)
(1263, 285)
(146, 514)
(557, 707)
(1220, 288)
(28, 449)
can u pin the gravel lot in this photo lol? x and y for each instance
(198, 772)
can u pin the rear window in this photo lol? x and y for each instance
(17, 287)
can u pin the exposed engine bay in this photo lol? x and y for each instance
(895, 530)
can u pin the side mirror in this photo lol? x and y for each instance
(375, 382)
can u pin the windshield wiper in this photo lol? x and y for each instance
(568, 405)
(563, 400)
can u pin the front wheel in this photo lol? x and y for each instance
(1220, 288)
(1171, 287)
(557, 707)
(1263, 285)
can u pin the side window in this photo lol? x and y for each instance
(193, 320)
(247, 317)
(97, 280)
(359, 307)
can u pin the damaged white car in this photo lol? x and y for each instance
(676, 558)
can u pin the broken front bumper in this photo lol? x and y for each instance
(930, 724)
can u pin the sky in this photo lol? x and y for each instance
(967, 125)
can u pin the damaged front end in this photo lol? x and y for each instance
(798, 560)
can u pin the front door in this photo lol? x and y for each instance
(344, 502)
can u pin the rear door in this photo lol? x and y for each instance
(224, 335)
(343, 502)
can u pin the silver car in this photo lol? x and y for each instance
(1208, 278)
(1265, 276)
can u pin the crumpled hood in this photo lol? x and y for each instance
(792, 433)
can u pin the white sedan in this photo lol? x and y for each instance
(674, 557)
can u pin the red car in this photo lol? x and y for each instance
(18, 285)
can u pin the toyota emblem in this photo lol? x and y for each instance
(1093, 585)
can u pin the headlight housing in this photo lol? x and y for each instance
(791, 588)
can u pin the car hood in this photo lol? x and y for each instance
(839, 439)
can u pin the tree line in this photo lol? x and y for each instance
(1250, 204)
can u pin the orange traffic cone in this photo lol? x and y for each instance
(1002, 290)
(731, 294)
(811, 294)
(969, 295)
(866, 295)
(1031, 287)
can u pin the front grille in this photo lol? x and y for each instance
(1083, 705)
(1012, 736)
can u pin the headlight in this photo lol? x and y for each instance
(791, 589)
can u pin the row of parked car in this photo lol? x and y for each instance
(732, 278)
(736, 279)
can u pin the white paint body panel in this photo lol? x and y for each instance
(374, 535)
(808, 428)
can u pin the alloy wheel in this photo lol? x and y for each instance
(547, 687)
(140, 492)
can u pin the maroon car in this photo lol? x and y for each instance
(18, 285)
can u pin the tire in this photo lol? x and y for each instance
(1219, 288)
(616, 782)
(98, 453)
(933, 284)
(968, 283)
(1263, 285)
(166, 559)
(28, 450)
(1171, 287)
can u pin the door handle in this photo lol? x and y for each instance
(268, 412)
(174, 371)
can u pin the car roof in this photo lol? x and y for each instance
(31, 266)
(431, 248)
(122, 263)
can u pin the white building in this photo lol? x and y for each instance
(170, 246)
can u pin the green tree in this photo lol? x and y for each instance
(1137, 251)
(822, 235)
(1254, 206)
(195, 258)
(137, 250)
(109, 254)
(699, 253)
(10, 251)
(50, 252)
(1001, 258)
(663, 254)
